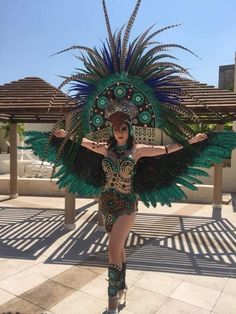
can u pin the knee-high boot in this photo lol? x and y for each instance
(123, 286)
(114, 282)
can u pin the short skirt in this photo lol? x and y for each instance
(114, 204)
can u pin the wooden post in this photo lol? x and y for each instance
(217, 193)
(69, 210)
(69, 203)
(13, 161)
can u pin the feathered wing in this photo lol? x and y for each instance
(158, 179)
(79, 169)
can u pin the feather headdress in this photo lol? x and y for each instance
(137, 73)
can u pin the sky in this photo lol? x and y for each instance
(31, 31)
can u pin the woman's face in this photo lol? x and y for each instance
(121, 134)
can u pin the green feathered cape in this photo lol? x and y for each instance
(156, 180)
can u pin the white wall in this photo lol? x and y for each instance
(45, 187)
(3, 144)
(5, 158)
(39, 126)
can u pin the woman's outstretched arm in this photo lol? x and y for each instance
(99, 148)
(151, 151)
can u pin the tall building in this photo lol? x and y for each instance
(226, 77)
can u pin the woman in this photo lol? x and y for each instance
(126, 83)
(118, 202)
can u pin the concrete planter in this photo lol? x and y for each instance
(45, 187)
(32, 186)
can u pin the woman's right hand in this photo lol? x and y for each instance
(60, 133)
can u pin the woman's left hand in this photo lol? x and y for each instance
(198, 138)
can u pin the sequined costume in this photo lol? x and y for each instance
(118, 197)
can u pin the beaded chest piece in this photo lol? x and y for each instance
(119, 171)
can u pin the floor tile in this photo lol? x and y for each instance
(226, 304)
(5, 296)
(49, 270)
(99, 270)
(11, 267)
(75, 277)
(178, 276)
(133, 276)
(6, 270)
(196, 295)
(158, 283)
(141, 301)
(97, 287)
(79, 303)
(172, 306)
(21, 282)
(216, 283)
(230, 287)
(22, 264)
(47, 295)
(22, 307)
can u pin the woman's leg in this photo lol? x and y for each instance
(117, 237)
(123, 256)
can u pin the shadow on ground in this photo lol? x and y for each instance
(28, 233)
(164, 243)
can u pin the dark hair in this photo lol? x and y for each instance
(130, 141)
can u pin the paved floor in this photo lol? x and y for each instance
(180, 259)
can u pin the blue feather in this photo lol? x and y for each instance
(132, 48)
(107, 59)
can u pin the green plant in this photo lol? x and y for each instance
(20, 129)
(202, 127)
(231, 87)
(228, 126)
